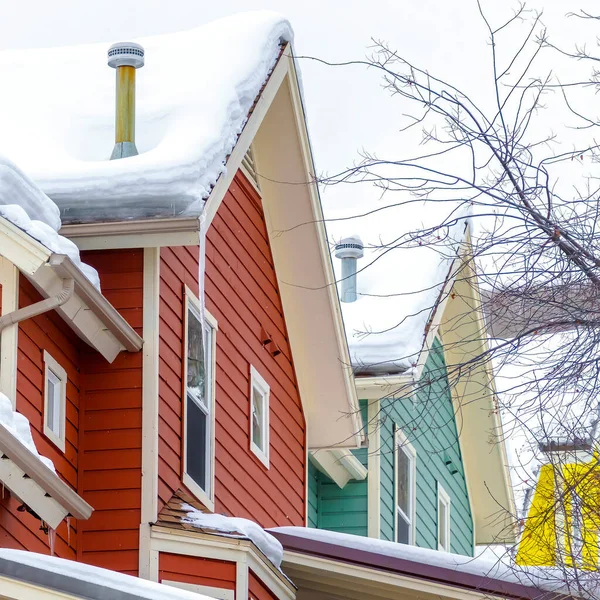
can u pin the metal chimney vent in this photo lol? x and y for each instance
(126, 54)
(349, 250)
(125, 57)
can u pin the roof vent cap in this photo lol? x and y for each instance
(126, 54)
(350, 247)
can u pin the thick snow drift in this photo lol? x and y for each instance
(238, 527)
(19, 426)
(193, 97)
(26, 206)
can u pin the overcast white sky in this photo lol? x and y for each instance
(347, 110)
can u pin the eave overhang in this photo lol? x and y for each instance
(87, 312)
(30, 480)
(340, 465)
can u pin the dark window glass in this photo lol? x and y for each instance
(197, 443)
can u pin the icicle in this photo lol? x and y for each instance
(68, 531)
(51, 540)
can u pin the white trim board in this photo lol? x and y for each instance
(9, 280)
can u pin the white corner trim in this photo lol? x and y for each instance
(150, 331)
(51, 365)
(340, 465)
(241, 578)
(257, 382)
(207, 590)
(9, 280)
(374, 467)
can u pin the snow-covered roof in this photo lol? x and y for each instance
(193, 98)
(399, 280)
(489, 573)
(237, 527)
(85, 581)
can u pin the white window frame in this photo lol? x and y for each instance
(443, 499)
(257, 382)
(207, 497)
(403, 445)
(52, 369)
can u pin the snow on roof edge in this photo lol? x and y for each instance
(184, 134)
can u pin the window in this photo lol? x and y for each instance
(443, 518)
(259, 416)
(55, 401)
(199, 374)
(406, 461)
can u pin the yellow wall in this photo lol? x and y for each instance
(547, 538)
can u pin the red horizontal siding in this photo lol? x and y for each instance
(111, 425)
(195, 570)
(257, 590)
(45, 332)
(242, 293)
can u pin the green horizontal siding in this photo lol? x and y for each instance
(342, 510)
(428, 422)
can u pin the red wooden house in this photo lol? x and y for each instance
(212, 357)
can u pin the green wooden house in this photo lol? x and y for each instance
(433, 470)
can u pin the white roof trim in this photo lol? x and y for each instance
(88, 312)
(339, 465)
(325, 377)
(36, 485)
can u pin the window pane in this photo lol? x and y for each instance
(403, 530)
(197, 443)
(443, 524)
(257, 418)
(53, 417)
(404, 482)
(196, 380)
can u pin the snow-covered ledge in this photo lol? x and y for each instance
(32, 477)
(339, 464)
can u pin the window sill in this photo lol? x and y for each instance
(264, 459)
(200, 494)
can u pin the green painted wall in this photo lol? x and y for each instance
(428, 422)
(336, 509)
(343, 510)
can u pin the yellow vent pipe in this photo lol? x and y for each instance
(125, 57)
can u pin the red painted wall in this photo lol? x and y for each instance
(257, 590)
(195, 570)
(242, 293)
(111, 425)
(45, 332)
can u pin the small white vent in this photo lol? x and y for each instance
(249, 167)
